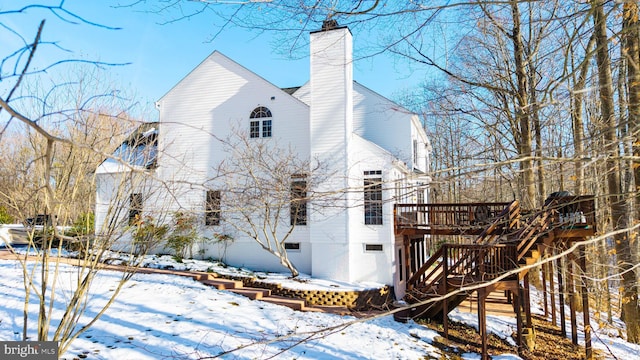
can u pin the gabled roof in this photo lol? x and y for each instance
(304, 92)
(392, 103)
(219, 57)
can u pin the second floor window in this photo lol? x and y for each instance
(260, 124)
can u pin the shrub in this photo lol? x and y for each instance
(5, 217)
(183, 235)
(147, 234)
(84, 225)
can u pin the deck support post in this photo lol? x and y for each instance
(444, 289)
(552, 291)
(482, 321)
(526, 301)
(517, 299)
(585, 305)
(560, 267)
(545, 275)
(572, 300)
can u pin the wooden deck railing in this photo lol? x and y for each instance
(480, 262)
(472, 262)
(447, 216)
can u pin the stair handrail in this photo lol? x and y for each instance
(477, 252)
(528, 234)
(411, 282)
(511, 213)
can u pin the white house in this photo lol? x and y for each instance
(365, 138)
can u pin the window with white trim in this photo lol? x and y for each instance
(373, 197)
(260, 123)
(212, 208)
(298, 206)
(135, 208)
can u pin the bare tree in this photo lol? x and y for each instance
(55, 133)
(617, 201)
(521, 70)
(263, 190)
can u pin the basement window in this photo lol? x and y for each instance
(373, 247)
(292, 246)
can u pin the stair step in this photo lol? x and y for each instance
(193, 275)
(223, 284)
(290, 303)
(207, 275)
(252, 293)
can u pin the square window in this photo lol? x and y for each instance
(292, 246)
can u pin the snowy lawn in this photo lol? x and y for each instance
(605, 340)
(163, 316)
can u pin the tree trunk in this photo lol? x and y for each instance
(522, 111)
(578, 121)
(617, 201)
(631, 53)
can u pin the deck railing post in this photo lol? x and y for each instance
(407, 261)
(482, 268)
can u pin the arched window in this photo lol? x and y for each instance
(260, 122)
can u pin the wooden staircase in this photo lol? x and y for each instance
(508, 243)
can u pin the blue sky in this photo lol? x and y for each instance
(160, 55)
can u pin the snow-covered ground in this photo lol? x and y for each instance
(606, 340)
(163, 316)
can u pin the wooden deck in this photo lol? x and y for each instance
(446, 219)
(502, 240)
